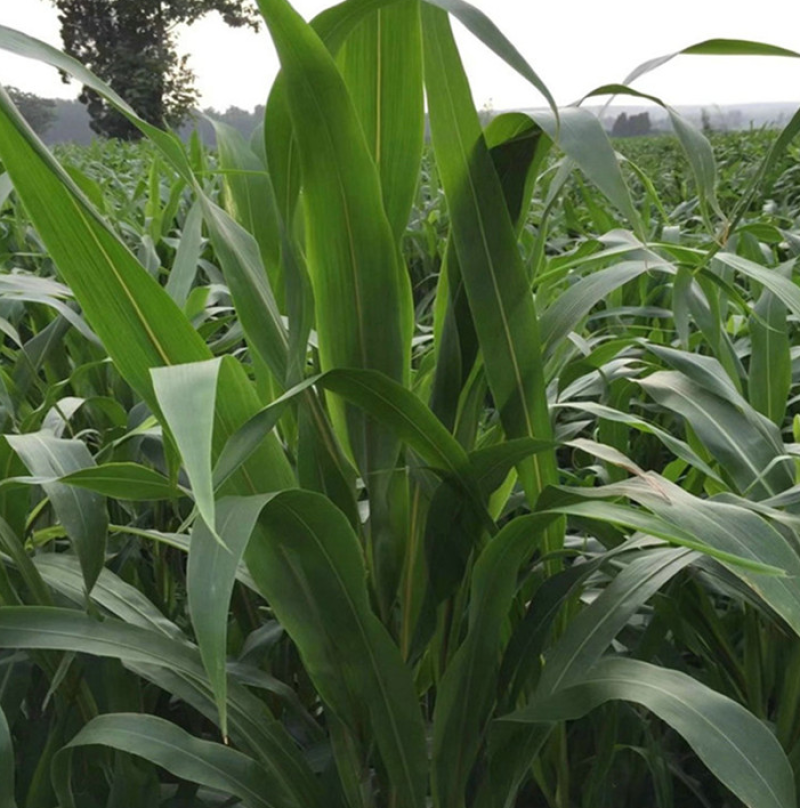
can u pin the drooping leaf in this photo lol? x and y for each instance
(81, 512)
(165, 744)
(738, 748)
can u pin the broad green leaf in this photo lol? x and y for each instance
(334, 26)
(737, 443)
(770, 380)
(722, 526)
(81, 512)
(362, 294)
(311, 569)
(62, 572)
(187, 395)
(580, 135)
(170, 747)
(385, 400)
(138, 323)
(249, 197)
(485, 241)
(381, 63)
(484, 29)
(465, 693)
(713, 47)
(175, 663)
(592, 631)
(738, 748)
(31, 48)
(678, 447)
(517, 147)
(128, 481)
(184, 267)
(241, 262)
(6, 765)
(694, 143)
(210, 575)
(570, 307)
(776, 281)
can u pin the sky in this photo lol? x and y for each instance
(574, 46)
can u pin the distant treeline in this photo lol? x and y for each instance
(61, 121)
(69, 122)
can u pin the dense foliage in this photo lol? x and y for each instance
(131, 45)
(339, 470)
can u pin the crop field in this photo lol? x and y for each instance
(343, 469)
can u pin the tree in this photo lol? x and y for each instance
(131, 45)
(38, 112)
(632, 126)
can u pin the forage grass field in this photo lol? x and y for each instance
(342, 470)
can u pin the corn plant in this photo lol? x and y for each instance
(267, 530)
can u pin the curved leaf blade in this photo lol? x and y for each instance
(739, 750)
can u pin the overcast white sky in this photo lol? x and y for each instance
(574, 45)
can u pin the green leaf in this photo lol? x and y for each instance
(311, 569)
(62, 573)
(127, 481)
(170, 747)
(590, 633)
(484, 29)
(723, 526)
(210, 575)
(381, 63)
(186, 395)
(485, 241)
(174, 665)
(82, 513)
(6, 765)
(465, 694)
(184, 267)
(770, 380)
(738, 748)
(735, 439)
(571, 306)
(385, 400)
(713, 47)
(363, 296)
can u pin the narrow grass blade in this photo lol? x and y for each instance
(569, 308)
(732, 437)
(723, 526)
(248, 197)
(173, 664)
(62, 572)
(138, 323)
(184, 267)
(386, 401)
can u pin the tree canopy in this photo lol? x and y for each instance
(131, 45)
(38, 112)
